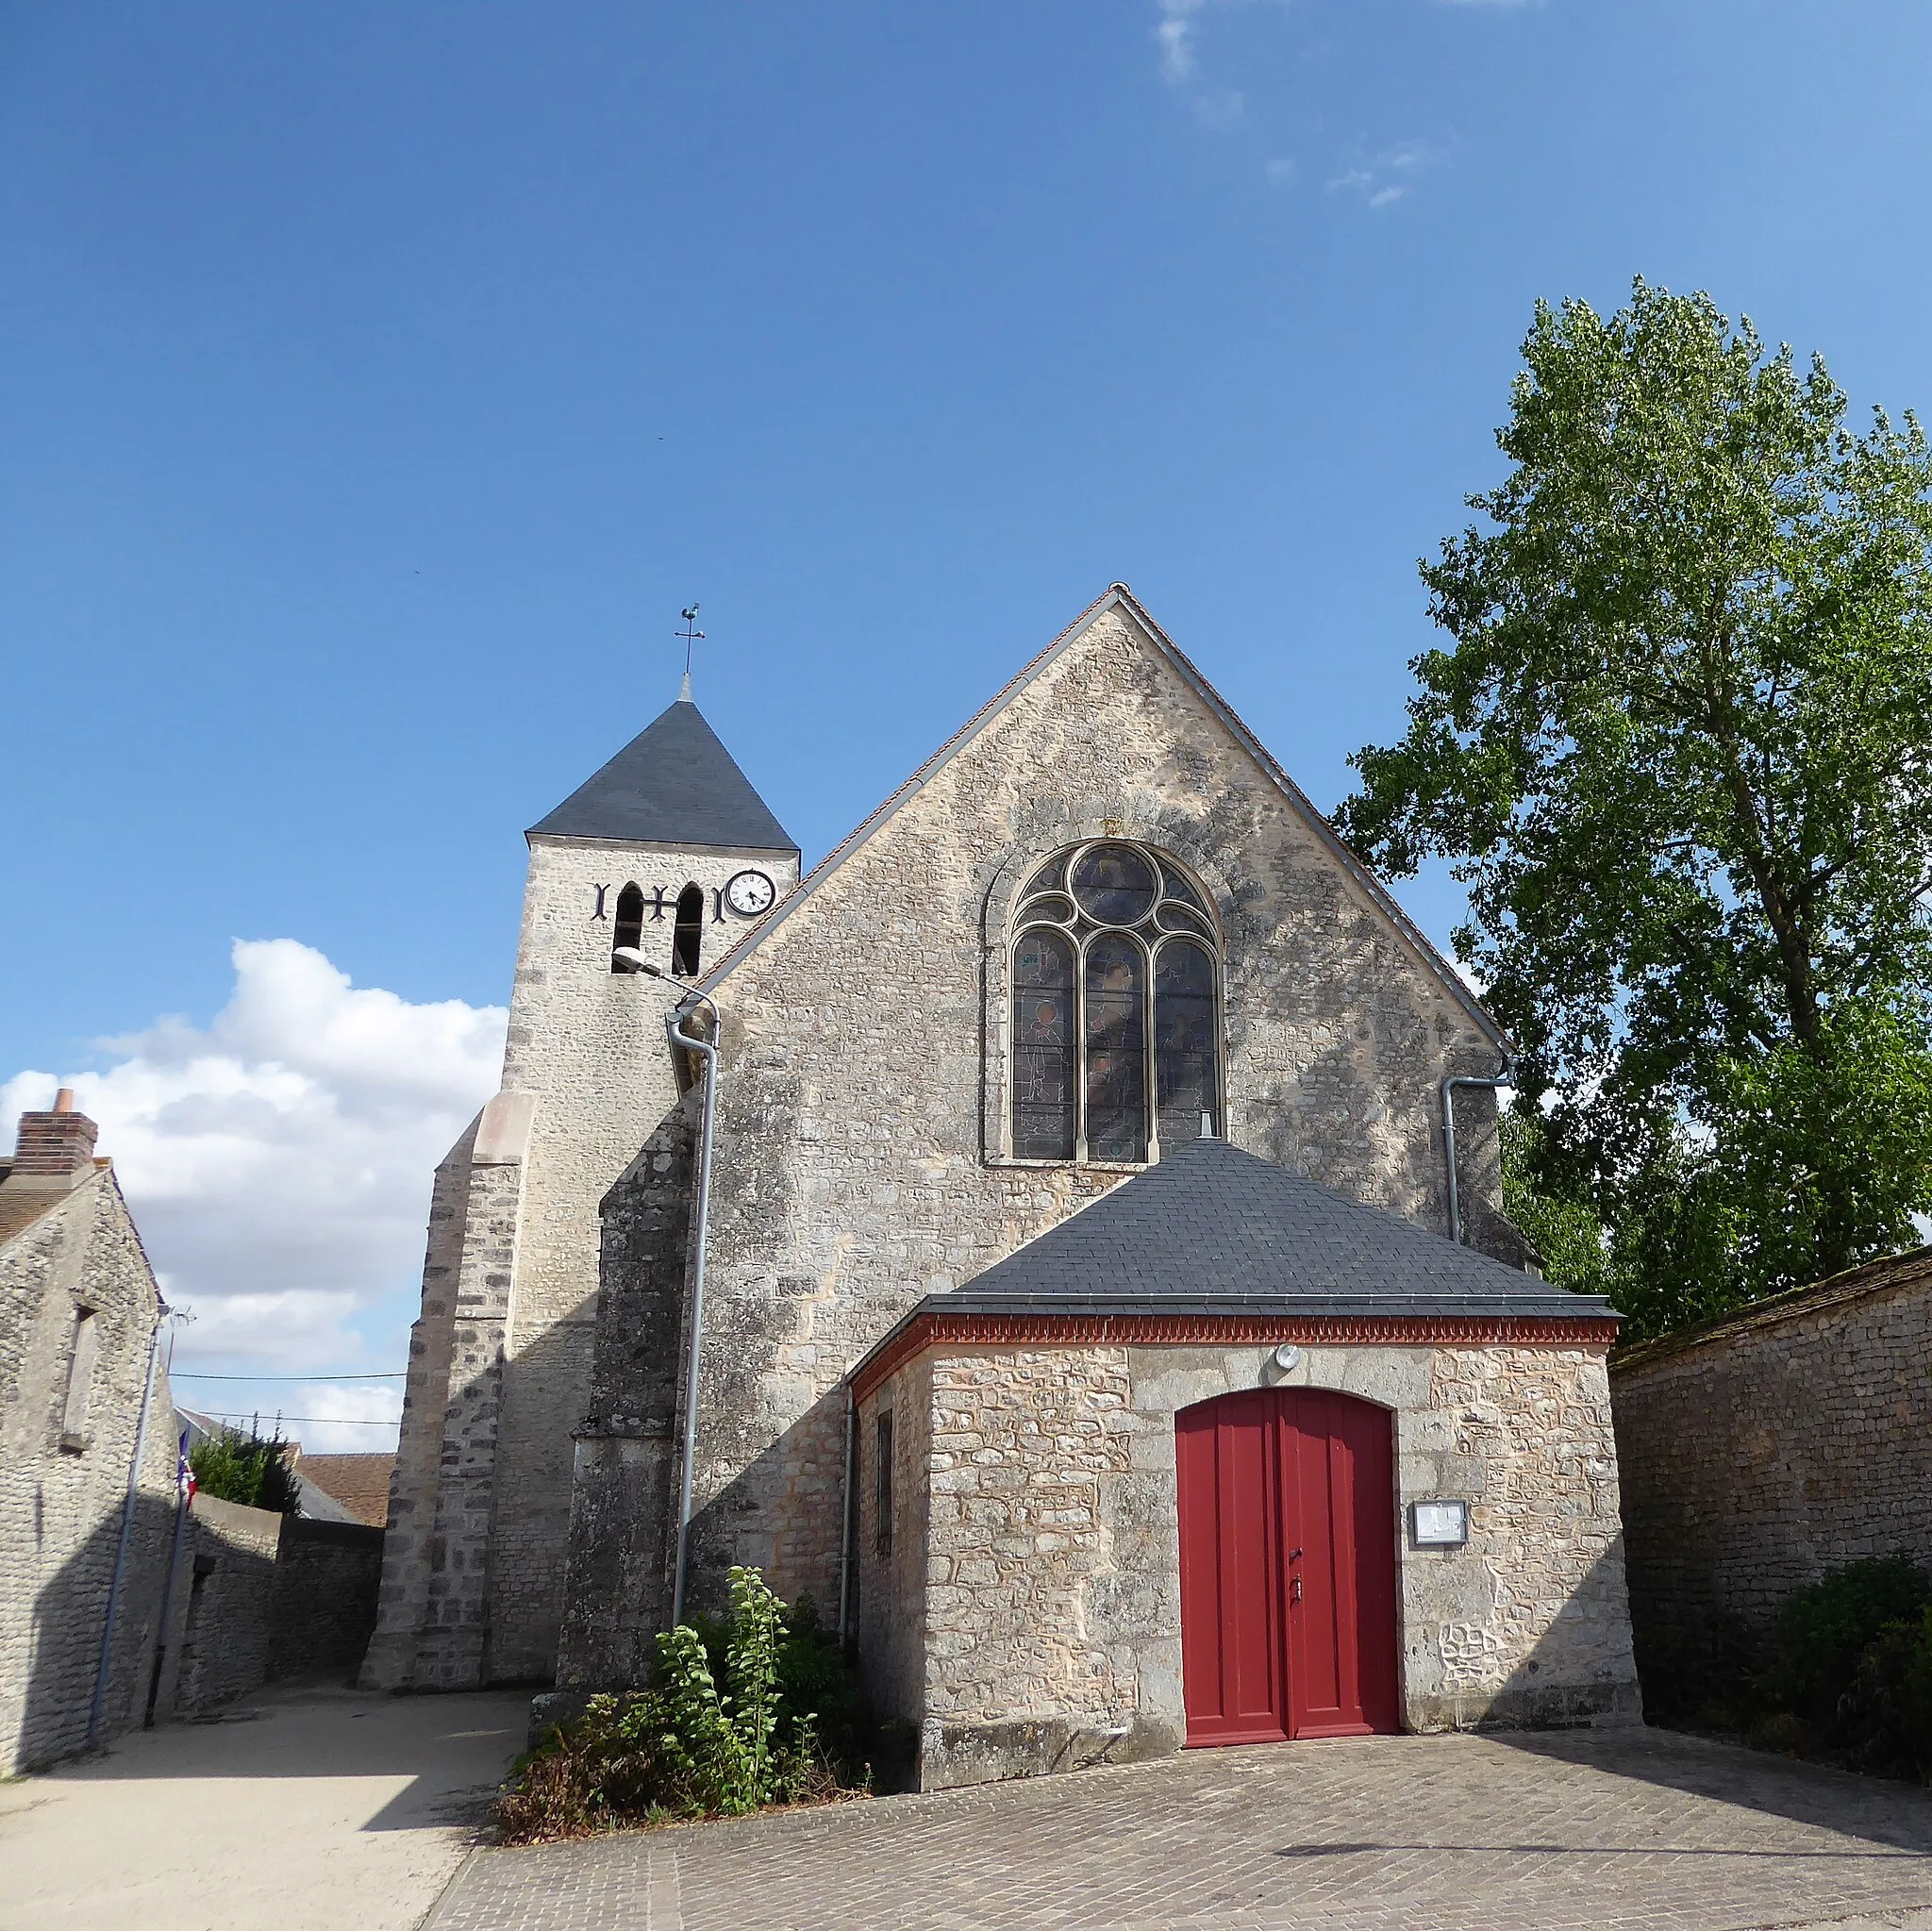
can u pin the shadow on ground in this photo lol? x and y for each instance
(1884, 1811)
(454, 1749)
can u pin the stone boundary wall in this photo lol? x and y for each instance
(264, 1598)
(224, 1597)
(1767, 1448)
(327, 1576)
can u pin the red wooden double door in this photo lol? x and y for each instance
(1288, 1566)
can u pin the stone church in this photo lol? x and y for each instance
(1106, 1310)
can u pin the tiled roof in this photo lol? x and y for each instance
(673, 784)
(1211, 1229)
(358, 1482)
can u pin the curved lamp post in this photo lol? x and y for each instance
(674, 1020)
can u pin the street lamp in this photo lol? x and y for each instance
(674, 1030)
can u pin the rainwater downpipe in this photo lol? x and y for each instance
(846, 1524)
(708, 1050)
(147, 1396)
(1506, 1077)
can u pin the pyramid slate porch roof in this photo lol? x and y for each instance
(1214, 1232)
(673, 784)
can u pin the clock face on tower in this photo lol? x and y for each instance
(750, 893)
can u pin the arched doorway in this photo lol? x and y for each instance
(1288, 1566)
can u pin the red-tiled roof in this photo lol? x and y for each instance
(358, 1482)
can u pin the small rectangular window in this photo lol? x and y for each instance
(882, 1445)
(80, 1377)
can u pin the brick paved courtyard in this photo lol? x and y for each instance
(1600, 1830)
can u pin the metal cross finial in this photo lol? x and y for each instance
(692, 634)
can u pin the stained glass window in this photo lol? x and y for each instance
(1116, 1019)
(1043, 1047)
(1116, 1050)
(1187, 1062)
(1114, 885)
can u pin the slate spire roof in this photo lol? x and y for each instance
(673, 784)
(1213, 1230)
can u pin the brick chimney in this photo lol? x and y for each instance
(55, 1149)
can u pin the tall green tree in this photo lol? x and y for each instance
(1680, 752)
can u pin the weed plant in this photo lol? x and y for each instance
(754, 1708)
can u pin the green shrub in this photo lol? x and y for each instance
(1826, 1629)
(1884, 1718)
(247, 1469)
(737, 1716)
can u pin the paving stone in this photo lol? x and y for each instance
(1573, 1831)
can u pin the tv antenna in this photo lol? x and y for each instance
(692, 634)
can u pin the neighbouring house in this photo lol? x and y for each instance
(1763, 1448)
(357, 1484)
(80, 1317)
(1111, 1316)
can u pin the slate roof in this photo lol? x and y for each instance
(1213, 1230)
(673, 784)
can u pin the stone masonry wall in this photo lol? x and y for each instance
(408, 1559)
(1052, 1601)
(61, 1501)
(1790, 1439)
(328, 1575)
(891, 1620)
(617, 1587)
(859, 1165)
(228, 1575)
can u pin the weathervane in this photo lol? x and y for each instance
(692, 634)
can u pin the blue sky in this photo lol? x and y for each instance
(377, 381)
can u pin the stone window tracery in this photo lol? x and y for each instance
(1114, 1007)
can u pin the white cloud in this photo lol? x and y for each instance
(279, 1165)
(1177, 34)
(1173, 34)
(1392, 174)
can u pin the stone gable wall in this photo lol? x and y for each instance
(61, 1507)
(1783, 1445)
(857, 1171)
(1052, 1581)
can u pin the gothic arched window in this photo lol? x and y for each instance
(1116, 1026)
(630, 927)
(689, 933)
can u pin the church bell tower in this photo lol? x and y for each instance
(667, 852)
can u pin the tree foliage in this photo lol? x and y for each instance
(250, 1469)
(1678, 752)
